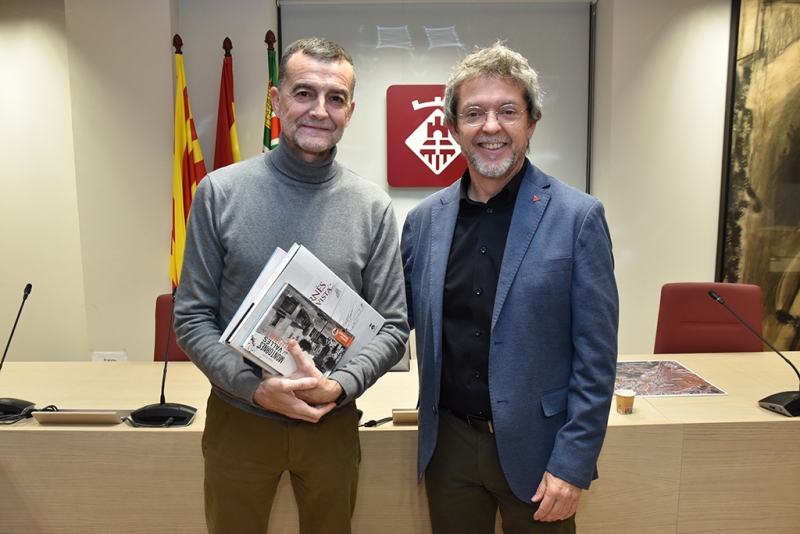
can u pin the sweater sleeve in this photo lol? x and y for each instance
(197, 303)
(384, 289)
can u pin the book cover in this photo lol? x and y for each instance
(302, 299)
(293, 316)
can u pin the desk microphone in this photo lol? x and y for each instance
(10, 406)
(786, 403)
(163, 414)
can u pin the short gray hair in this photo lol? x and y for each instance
(320, 49)
(496, 61)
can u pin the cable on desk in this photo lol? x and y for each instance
(372, 422)
(10, 419)
(166, 424)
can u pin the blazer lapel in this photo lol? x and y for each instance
(532, 199)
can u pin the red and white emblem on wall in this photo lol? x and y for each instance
(420, 150)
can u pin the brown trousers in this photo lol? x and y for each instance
(246, 454)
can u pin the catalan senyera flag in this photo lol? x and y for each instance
(187, 170)
(227, 147)
(272, 125)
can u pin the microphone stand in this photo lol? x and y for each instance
(787, 402)
(163, 414)
(11, 406)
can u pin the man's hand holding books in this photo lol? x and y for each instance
(304, 394)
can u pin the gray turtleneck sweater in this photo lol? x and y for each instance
(240, 213)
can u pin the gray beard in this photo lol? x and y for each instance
(494, 169)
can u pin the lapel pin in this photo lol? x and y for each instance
(535, 198)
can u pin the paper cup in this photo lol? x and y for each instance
(625, 399)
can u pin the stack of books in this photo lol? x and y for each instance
(296, 296)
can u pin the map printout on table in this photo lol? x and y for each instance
(651, 378)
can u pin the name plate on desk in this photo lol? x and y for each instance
(80, 417)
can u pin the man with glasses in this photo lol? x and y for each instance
(510, 286)
(258, 426)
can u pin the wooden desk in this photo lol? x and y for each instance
(677, 465)
(703, 463)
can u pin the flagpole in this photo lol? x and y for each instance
(271, 122)
(226, 148)
(178, 231)
(270, 40)
(187, 164)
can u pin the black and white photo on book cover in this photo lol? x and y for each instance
(293, 316)
(317, 303)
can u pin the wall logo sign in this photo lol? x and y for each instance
(420, 150)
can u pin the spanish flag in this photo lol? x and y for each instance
(227, 147)
(272, 126)
(187, 166)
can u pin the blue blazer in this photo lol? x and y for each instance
(553, 348)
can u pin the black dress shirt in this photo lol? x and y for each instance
(470, 286)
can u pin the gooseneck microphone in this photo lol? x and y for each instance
(786, 403)
(164, 414)
(9, 406)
